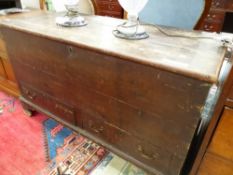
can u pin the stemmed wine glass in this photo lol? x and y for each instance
(131, 29)
(72, 17)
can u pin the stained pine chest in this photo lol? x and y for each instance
(141, 99)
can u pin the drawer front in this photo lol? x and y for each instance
(215, 16)
(48, 103)
(229, 5)
(218, 3)
(109, 8)
(157, 157)
(211, 26)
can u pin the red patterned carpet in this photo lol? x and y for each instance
(39, 145)
(21, 139)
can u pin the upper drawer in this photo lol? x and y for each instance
(218, 3)
(211, 26)
(229, 5)
(215, 16)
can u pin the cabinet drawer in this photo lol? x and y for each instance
(229, 5)
(218, 3)
(147, 153)
(109, 7)
(216, 16)
(48, 103)
(211, 26)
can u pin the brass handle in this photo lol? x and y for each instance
(64, 109)
(95, 129)
(30, 95)
(146, 155)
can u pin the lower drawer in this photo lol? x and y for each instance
(48, 103)
(157, 157)
(212, 26)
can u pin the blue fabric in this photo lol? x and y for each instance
(180, 13)
(58, 140)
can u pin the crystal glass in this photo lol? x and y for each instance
(72, 17)
(131, 29)
(72, 6)
(133, 7)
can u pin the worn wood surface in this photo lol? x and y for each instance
(137, 103)
(189, 57)
(151, 97)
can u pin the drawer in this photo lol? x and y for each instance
(147, 153)
(229, 5)
(218, 3)
(48, 103)
(111, 14)
(111, 7)
(211, 26)
(215, 16)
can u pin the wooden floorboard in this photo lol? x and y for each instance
(218, 159)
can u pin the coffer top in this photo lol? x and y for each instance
(183, 52)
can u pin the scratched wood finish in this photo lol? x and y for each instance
(188, 57)
(138, 101)
(114, 93)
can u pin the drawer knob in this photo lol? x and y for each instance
(97, 130)
(146, 155)
(29, 94)
(64, 109)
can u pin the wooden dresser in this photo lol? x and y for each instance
(215, 18)
(108, 8)
(142, 99)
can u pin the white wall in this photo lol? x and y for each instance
(30, 3)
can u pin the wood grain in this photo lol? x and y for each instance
(215, 165)
(98, 35)
(222, 141)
